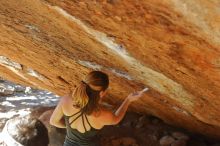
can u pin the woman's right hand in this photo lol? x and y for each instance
(135, 96)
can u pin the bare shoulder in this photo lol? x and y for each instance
(66, 103)
(105, 115)
(65, 99)
(104, 111)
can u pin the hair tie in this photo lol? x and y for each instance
(94, 88)
(84, 82)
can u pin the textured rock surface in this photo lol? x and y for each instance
(170, 46)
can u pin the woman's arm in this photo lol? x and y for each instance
(56, 118)
(120, 112)
(114, 118)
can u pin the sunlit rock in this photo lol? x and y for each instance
(170, 46)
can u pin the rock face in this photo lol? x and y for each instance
(170, 46)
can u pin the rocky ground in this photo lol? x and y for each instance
(135, 129)
(17, 100)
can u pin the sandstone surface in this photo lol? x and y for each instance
(170, 46)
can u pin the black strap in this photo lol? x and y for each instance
(76, 118)
(75, 113)
(88, 121)
(81, 114)
(84, 124)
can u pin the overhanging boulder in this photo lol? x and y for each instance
(170, 46)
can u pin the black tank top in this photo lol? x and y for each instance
(74, 137)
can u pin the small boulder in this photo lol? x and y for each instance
(139, 125)
(166, 140)
(28, 90)
(180, 135)
(56, 135)
(6, 90)
(2, 80)
(19, 88)
(180, 142)
(142, 118)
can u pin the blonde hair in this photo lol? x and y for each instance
(87, 94)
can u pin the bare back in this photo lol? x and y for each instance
(69, 110)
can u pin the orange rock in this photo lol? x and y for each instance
(174, 52)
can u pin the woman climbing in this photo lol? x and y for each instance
(83, 115)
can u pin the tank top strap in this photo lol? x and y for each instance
(76, 117)
(84, 123)
(88, 121)
(75, 113)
